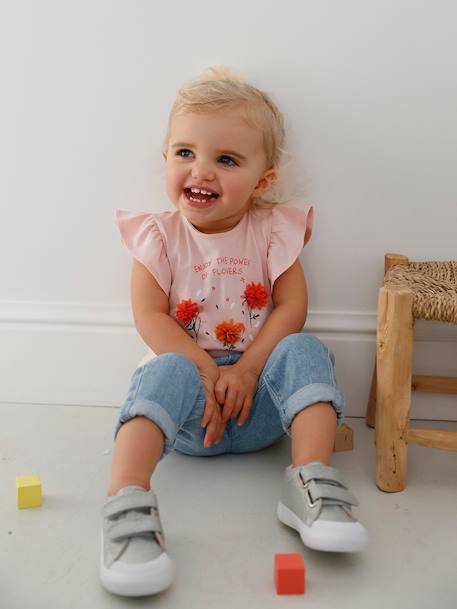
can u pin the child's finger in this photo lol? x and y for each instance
(231, 399)
(211, 432)
(210, 406)
(219, 390)
(206, 417)
(238, 406)
(245, 411)
(227, 412)
(220, 433)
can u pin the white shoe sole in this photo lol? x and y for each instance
(324, 534)
(142, 579)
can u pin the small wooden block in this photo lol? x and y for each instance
(289, 574)
(344, 439)
(28, 491)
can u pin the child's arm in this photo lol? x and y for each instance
(163, 334)
(157, 328)
(290, 299)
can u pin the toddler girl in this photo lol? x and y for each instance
(220, 298)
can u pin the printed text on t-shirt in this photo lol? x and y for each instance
(221, 266)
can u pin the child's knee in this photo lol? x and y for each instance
(172, 365)
(298, 350)
(166, 390)
(304, 342)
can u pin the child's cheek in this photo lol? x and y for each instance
(173, 179)
(233, 187)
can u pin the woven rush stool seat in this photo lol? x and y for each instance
(410, 291)
(434, 287)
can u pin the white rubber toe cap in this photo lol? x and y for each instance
(141, 579)
(326, 535)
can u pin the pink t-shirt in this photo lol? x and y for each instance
(219, 285)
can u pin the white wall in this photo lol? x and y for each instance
(369, 91)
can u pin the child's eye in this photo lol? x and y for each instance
(227, 160)
(184, 152)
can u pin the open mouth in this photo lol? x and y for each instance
(200, 196)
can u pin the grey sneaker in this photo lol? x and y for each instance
(315, 501)
(134, 561)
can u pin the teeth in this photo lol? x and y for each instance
(199, 190)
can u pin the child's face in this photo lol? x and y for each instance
(219, 154)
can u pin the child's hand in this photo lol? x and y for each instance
(212, 419)
(235, 389)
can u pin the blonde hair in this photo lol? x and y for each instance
(218, 88)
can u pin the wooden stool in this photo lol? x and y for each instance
(411, 290)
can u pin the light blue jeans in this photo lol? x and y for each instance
(168, 390)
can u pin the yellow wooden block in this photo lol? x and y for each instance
(28, 491)
(344, 438)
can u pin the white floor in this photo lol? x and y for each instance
(220, 523)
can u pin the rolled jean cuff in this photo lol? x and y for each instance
(155, 413)
(309, 395)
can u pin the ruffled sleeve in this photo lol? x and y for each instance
(291, 230)
(142, 238)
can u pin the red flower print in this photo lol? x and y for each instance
(187, 312)
(256, 297)
(228, 332)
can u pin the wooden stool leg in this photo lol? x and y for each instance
(393, 396)
(371, 407)
(390, 260)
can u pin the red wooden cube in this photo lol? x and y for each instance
(289, 574)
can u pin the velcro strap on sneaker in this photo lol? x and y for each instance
(123, 503)
(318, 471)
(134, 526)
(336, 494)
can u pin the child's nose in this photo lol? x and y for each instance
(202, 171)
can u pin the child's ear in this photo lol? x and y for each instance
(164, 154)
(266, 181)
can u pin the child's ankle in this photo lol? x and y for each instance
(306, 461)
(117, 486)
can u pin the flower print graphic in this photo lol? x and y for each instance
(228, 332)
(256, 297)
(187, 311)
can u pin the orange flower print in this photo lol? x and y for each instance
(256, 297)
(228, 332)
(187, 312)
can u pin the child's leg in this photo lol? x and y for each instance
(313, 433)
(155, 409)
(300, 381)
(133, 564)
(137, 450)
(315, 500)
(296, 394)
